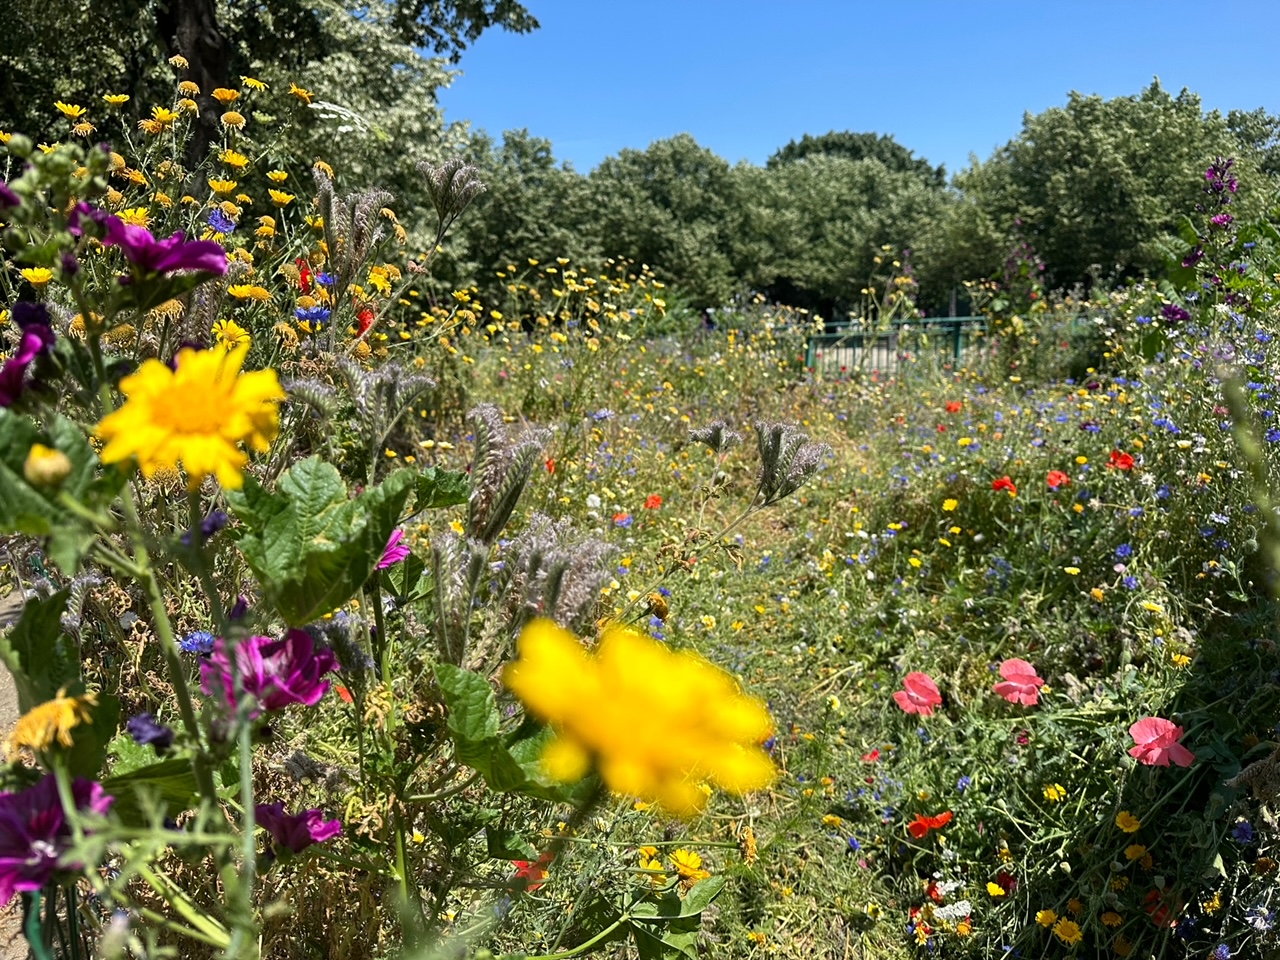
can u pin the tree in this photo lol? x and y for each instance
(1094, 184)
(1259, 132)
(861, 146)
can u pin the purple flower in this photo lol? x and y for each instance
(295, 831)
(150, 255)
(34, 832)
(276, 672)
(82, 212)
(8, 198)
(395, 551)
(1171, 311)
(209, 526)
(37, 337)
(201, 642)
(1243, 832)
(146, 729)
(1222, 220)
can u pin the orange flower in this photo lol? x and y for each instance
(921, 825)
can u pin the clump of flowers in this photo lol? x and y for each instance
(654, 723)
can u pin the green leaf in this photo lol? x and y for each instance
(89, 741)
(435, 488)
(40, 656)
(503, 843)
(700, 896)
(473, 709)
(409, 579)
(310, 545)
(167, 786)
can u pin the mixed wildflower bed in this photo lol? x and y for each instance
(362, 618)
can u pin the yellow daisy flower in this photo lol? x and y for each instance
(197, 415)
(51, 722)
(72, 111)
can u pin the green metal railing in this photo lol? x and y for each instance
(850, 348)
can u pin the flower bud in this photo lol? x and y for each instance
(46, 467)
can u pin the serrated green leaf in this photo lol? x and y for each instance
(41, 657)
(473, 709)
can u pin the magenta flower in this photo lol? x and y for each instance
(36, 337)
(1021, 684)
(295, 831)
(150, 255)
(395, 552)
(277, 672)
(34, 832)
(8, 198)
(919, 694)
(1157, 743)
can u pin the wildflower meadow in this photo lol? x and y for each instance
(358, 612)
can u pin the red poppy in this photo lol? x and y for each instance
(550, 464)
(304, 274)
(871, 757)
(1005, 483)
(1157, 743)
(919, 694)
(1120, 461)
(365, 318)
(921, 825)
(1160, 907)
(933, 893)
(1007, 881)
(343, 692)
(532, 873)
(1056, 479)
(652, 502)
(954, 406)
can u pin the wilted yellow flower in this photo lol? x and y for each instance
(280, 198)
(83, 129)
(46, 467)
(224, 95)
(116, 99)
(653, 722)
(197, 415)
(323, 168)
(187, 105)
(179, 61)
(229, 334)
(302, 94)
(1111, 919)
(253, 84)
(51, 722)
(37, 276)
(233, 119)
(72, 111)
(189, 88)
(249, 291)
(266, 228)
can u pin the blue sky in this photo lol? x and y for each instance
(945, 78)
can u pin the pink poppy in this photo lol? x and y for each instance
(919, 694)
(1157, 743)
(1020, 683)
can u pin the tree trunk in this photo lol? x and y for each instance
(190, 28)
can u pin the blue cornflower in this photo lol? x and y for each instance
(1124, 551)
(604, 413)
(1243, 832)
(963, 784)
(324, 279)
(313, 314)
(854, 845)
(1130, 583)
(1164, 492)
(200, 642)
(146, 729)
(1136, 512)
(1221, 952)
(220, 222)
(1273, 435)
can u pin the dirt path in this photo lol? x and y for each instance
(12, 946)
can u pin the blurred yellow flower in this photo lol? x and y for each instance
(655, 723)
(1046, 918)
(197, 415)
(1053, 792)
(950, 504)
(72, 111)
(234, 159)
(302, 94)
(222, 187)
(224, 95)
(253, 84)
(277, 176)
(994, 889)
(1135, 851)
(280, 198)
(45, 466)
(51, 722)
(116, 99)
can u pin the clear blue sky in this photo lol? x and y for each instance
(945, 78)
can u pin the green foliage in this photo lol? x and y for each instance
(310, 544)
(861, 146)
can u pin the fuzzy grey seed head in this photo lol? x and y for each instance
(787, 459)
(451, 186)
(716, 435)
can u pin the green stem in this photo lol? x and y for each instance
(587, 945)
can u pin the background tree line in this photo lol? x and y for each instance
(1093, 185)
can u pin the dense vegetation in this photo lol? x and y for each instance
(409, 573)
